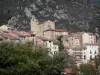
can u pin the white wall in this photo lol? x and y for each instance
(4, 27)
(85, 38)
(52, 48)
(90, 52)
(90, 39)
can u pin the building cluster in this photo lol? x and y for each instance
(82, 45)
(11, 35)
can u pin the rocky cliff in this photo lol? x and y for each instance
(75, 15)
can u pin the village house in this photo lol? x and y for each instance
(51, 45)
(9, 34)
(83, 44)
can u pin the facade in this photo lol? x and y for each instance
(83, 44)
(6, 28)
(54, 33)
(46, 29)
(89, 38)
(39, 28)
(90, 52)
(52, 47)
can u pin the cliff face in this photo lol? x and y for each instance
(76, 15)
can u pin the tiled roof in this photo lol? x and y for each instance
(23, 33)
(1, 37)
(12, 34)
(50, 29)
(7, 36)
(90, 33)
(56, 30)
(19, 34)
(44, 38)
(60, 30)
(69, 70)
(26, 33)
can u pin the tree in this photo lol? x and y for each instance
(21, 59)
(63, 60)
(61, 46)
(97, 64)
(87, 69)
(75, 67)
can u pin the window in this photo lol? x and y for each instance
(49, 26)
(91, 41)
(90, 52)
(55, 52)
(95, 57)
(95, 52)
(91, 37)
(43, 34)
(1, 39)
(49, 49)
(84, 57)
(46, 43)
(78, 57)
(8, 28)
(50, 45)
(55, 47)
(49, 41)
(90, 57)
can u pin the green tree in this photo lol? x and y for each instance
(97, 64)
(63, 60)
(21, 59)
(87, 69)
(61, 46)
(75, 67)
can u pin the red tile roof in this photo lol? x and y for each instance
(50, 29)
(27, 34)
(7, 36)
(12, 34)
(60, 30)
(56, 30)
(19, 34)
(69, 70)
(90, 33)
(44, 38)
(1, 37)
(23, 33)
